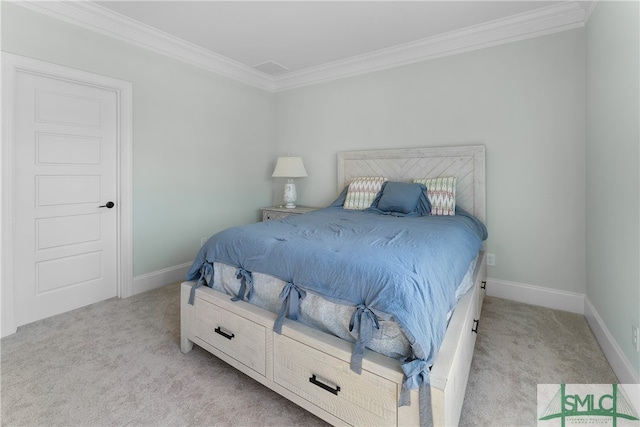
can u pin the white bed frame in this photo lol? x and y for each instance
(242, 334)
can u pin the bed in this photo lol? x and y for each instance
(340, 378)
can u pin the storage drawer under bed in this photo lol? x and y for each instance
(232, 334)
(329, 383)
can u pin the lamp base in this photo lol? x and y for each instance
(290, 195)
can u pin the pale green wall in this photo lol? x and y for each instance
(524, 101)
(613, 169)
(203, 145)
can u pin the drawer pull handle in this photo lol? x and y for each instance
(224, 334)
(314, 381)
(475, 326)
(484, 285)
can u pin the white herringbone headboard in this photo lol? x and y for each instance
(465, 162)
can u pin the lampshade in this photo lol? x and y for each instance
(289, 167)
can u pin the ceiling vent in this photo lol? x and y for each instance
(270, 67)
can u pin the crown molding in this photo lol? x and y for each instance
(543, 21)
(101, 20)
(548, 20)
(589, 6)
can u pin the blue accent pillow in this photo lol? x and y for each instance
(339, 202)
(404, 198)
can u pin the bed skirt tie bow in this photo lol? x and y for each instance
(246, 284)
(206, 277)
(290, 297)
(363, 321)
(416, 375)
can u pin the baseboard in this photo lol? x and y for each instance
(157, 279)
(536, 295)
(574, 303)
(617, 359)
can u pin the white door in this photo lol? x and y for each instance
(65, 238)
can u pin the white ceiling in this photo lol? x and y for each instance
(304, 34)
(279, 45)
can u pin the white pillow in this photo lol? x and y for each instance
(442, 194)
(362, 192)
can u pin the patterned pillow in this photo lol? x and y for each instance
(362, 191)
(442, 194)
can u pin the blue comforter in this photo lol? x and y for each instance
(401, 268)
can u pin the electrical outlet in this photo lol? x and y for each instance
(491, 260)
(635, 339)
(203, 240)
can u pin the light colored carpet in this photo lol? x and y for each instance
(119, 363)
(519, 346)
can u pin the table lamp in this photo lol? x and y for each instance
(289, 167)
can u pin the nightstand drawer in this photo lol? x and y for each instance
(268, 214)
(282, 212)
(328, 383)
(234, 335)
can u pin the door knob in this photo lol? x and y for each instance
(109, 205)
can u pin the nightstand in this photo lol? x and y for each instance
(276, 212)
